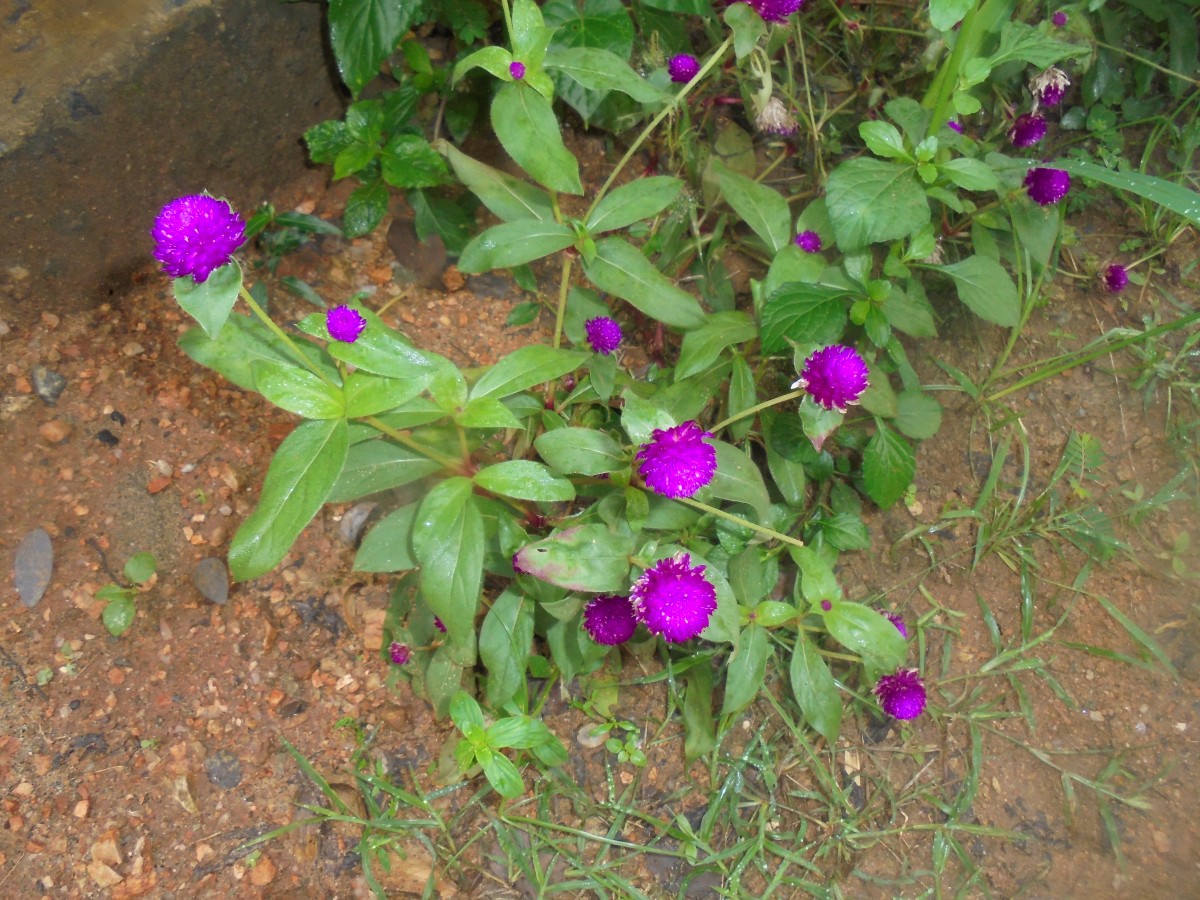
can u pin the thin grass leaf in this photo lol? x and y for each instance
(1139, 636)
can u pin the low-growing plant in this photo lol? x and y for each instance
(121, 599)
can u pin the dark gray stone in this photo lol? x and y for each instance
(211, 579)
(33, 566)
(223, 769)
(48, 384)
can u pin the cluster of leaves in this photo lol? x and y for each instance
(121, 599)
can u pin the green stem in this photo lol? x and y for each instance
(767, 404)
(283, 336)
(1147, 62)
(400, 437)
(563, 286)
(761, 529)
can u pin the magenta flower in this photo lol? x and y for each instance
(1116, 277)
(195, 235)
(674, 599)
(901, 695)
(1059, 19)
(808, 241)
(834, 377)
(896, 620)
(955, 125)
(1049, 87)
(776, 10)
(609, 619)
(683, 67)
(1027, 130)
(344, 323)
(516, 70)
(603, 334)
(677, 462)
(399, 653)
(1047, 186)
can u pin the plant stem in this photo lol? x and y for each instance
(761, 529)
(767, 404)
(400, 437)
(563, 286)
(283, 336)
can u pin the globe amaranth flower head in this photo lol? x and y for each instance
(603, 334)
(1047, 186)
(954, 125)
(1115, 278)
(808, 241)
(399, 653)
(677, 462)
(682, 67)
(775, 118)
(776, 10)
(897, 620)
(674, 599)
(1059, 19)
(901, 695)
(834, 377)
(1049, 87)
(344, 323)
(609, 619)
(516, 70)
(1027, 130)
(195, 235)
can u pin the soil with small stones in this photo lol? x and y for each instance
(141, 765)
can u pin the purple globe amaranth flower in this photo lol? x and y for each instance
(674, 599)
(677, 462)
(954, 125)
(603, 334)
(344, 323)
(1116, 277)
(1047, 186)
(1027, 130)
(901, 695)
(609, 619)
(834, 377)
(399, 653)
(776, 10)
(808, 241)
(682, 67)
(516, 70)
(896, 620)
(195, 235)
(1059, 19)
(1049, 87)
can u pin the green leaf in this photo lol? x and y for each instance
(580, 451)
(488, 413)
(585, 558)
(817, 580)
(702, 346)
(492, 59)
(529, 32)
(986, 289)
(633, 202)
(505, 640)
(1175, 197)
(524, 479)
(945, 14)
(970, 174)
(699, 733)
(297, 390)
(119, 614)
(508, 197)
(909, 314)
(378, 465)
(888, 466)
(747, 669)
(816, 691)
(140, 568)
(503, 776)
(621, 269)
(641, 417)
(383, 351)
(210, 302)
(870, 201)
(528, 130)
(367, 395)
(1024, 43)
(807, 313)
(918, 415)
(738, 479)
(601, 70)
(448, 542)
(747, 26)
(409, 162)
(365, 208)
(883, 139)
(867, 632)
(243, 341)
(301, 474)
(513, 243)
(760, 207)
(387, 547)
(844, 531)
(363, 33)
(524, 368)
(465, 712)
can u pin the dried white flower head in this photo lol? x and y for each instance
(775, 118)
(1048, 87)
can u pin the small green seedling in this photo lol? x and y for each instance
(118, 615)
(482, 744)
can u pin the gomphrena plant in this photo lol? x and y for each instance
(571, 505)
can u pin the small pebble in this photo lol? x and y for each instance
(107, 438)
(55, 431)
(351, 527)
(211, 579)
(33, 566)
(224, 769)
(117, 417)
(48, 384)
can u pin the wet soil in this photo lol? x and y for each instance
(139, 766)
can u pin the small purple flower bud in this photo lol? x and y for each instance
(399, 653)
(1116, 277)
(901, 695)
(439, 625)
(344, 323)
(808, 241)
(1027, 130)
(516, 70)
(896, 620)
(517, 566)
(834, 377)
(954, 125)
(674, 599)
(1059, 19)
(683, 67)
(603, 334)
(1047, 186)
(776, 10)
(677, 462)
(826, 605)
(609, 619)
(1049, 87)
(195, 235)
